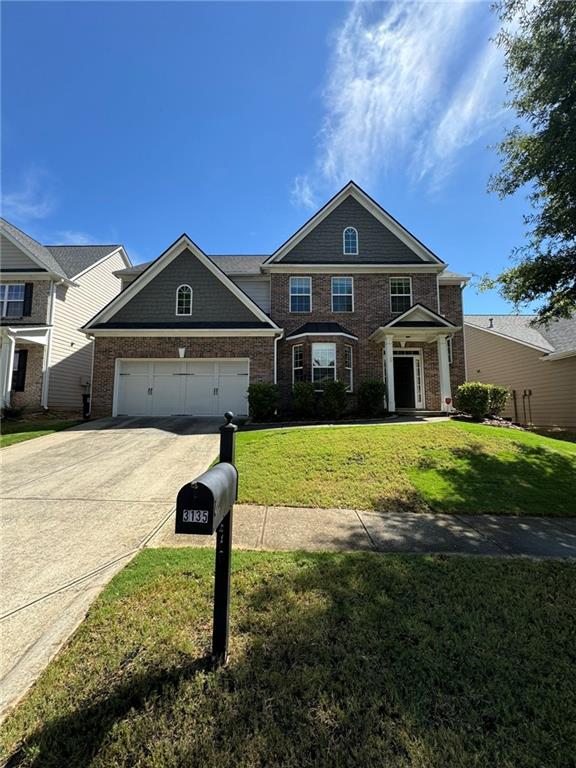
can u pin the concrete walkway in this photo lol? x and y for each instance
(75, 507)
(288, 528)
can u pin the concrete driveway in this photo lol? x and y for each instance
(75, 506)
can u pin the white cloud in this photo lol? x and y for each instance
(74, 237)
(31, 201)
(399, 93)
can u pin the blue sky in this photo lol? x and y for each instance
(133, 122)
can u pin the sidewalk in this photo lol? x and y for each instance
(288, 528)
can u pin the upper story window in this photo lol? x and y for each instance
(400, 294)
(184, 300)
(300, 294)
(350, 237)
(342, 294)
(12, 297)
(323, 364)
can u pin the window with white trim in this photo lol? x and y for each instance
(12, 299)
(449, 346)
(323, 364)
(184, 300)
(300, 294)
(350, 241)
(400, 294)
(297, 363)
(348, 367)
(342, 294)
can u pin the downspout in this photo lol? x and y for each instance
(276, 340)
(48, 353)
(91, 371)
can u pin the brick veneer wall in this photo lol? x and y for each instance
(39, 310)
(371, 310)
(31, 397)
(259, 349)
(451, 308)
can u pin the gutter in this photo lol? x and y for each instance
(276, 340)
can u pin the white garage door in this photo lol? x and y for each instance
(173, 387)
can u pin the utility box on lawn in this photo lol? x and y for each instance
(202, 504)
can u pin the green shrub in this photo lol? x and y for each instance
(473, 398)
(334, 399)
(371, 397)
(498, 397)
(303, 400)
(263, 401)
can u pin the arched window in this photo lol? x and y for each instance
(350, 238)
(184, 300)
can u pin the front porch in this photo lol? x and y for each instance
(416, 348)
(22, 366)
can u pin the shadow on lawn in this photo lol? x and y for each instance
(349, 661)
(532, 481)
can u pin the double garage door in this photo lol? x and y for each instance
(174, 387)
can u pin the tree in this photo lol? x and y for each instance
(539, 42)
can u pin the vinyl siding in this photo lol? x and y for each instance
(258, 290)
(495, 360)
(376, 243)
(13, 257)
(212, 300)
(71, 354)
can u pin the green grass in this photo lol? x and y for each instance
(450, 467)
(336, 660)
(17, 431)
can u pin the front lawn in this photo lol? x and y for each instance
(19, 430)
(336, 660)
(445, 467)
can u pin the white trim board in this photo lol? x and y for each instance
(353, 190)
(119, 249)
(157, 266)
(176, 333)
(405, 269)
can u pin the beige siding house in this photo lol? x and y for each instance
(537, 364)
(46, 294)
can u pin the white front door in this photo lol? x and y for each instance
(187, 387)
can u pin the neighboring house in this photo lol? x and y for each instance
(352, 295)
(536, 363)
(47, 292)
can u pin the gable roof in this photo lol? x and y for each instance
(320, 329)
(557, 337)
(419, 316)
(353, 190)
(153, 268)
(75, 259)
(229, 264)
(32, 248)
(67, 261)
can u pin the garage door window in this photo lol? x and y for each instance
(184, 300)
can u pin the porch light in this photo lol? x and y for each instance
(182, 351)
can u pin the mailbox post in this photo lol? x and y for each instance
(205, 506)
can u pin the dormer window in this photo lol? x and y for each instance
(350, 238)
(184, 300)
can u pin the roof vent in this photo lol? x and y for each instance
(490, 322)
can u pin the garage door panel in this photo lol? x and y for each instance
(133, 398)
(167, 395)
(136, 367)
(232, 394)
(200, 397)
(233, 367)
(167, 368)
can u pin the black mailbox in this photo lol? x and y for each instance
(202, 504)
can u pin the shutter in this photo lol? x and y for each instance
(19, 375)
(28, 290)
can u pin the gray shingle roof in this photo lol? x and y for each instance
(74, 259)
(558, 336)
(319, 329)
(40, 252)
(229, 264)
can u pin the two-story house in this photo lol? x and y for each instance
(47, 292)
(352, 295)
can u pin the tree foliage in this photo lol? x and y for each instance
(539, 42)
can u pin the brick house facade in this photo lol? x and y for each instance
(240, 310)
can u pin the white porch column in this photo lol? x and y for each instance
(6, 367)
(444, 369)
(389, 356)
